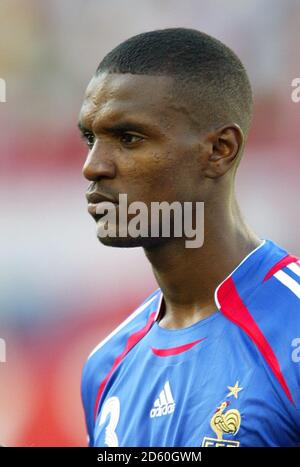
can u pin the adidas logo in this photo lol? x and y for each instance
(164, 404)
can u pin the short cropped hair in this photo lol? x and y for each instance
(207, 74)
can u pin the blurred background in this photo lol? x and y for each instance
(61, 292)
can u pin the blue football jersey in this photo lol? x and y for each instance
(232, 379)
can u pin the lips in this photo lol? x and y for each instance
(97, 210)
(99, 204)
(96, 197)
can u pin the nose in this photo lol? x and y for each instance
(98, 166)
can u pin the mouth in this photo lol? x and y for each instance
(99, 204)
(98, 210)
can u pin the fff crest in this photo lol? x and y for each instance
(223, 422)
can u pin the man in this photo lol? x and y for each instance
(207, 359)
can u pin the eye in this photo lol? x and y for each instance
(89, 138)
(129, 138)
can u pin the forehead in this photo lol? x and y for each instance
(111, 96)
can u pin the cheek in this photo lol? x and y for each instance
(162, 177)
(147, 173)
(178, 176)
(157, 176)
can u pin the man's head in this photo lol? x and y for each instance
(165, 118)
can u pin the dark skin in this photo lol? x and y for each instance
(159, 153)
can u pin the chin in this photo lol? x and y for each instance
(132, 242)
(120, 242)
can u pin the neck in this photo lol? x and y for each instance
(188, 277)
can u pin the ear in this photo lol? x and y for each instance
(225, 146)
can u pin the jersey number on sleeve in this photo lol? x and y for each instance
(111, 408)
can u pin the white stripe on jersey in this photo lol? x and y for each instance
(127, 320)
(288, 281)
(295, 268)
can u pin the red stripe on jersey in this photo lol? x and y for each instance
(232, 306)
(281, 264)
(131, 342)
(175, 350)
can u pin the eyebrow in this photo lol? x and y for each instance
(82, 128)
(120, 128)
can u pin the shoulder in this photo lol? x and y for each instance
(137, 318)
(262, 297)
(275, 306)
(114, 343)
(280, 294)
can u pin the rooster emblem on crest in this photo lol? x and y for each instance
(225, 422)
